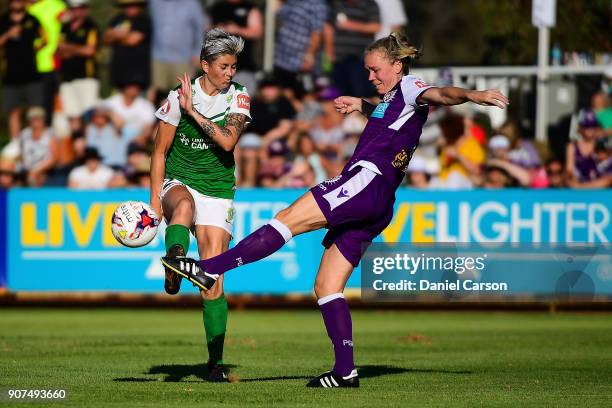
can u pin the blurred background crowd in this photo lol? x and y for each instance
(79, 96)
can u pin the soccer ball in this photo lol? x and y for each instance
(134, 224)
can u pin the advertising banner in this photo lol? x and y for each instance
(3, 238)
(60, 239)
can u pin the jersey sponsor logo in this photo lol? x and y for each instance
(199, 143)
(244, 101)
(420, 84)
(389, 96)
(380, 110)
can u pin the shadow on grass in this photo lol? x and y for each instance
(280, 378)
(366, 371)
(180, 373)
(175, 373)
(371, 371)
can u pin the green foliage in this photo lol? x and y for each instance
(583, 26)
(489, 32)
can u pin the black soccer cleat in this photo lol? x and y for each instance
(331, 380)
(217, 373)
(189, 268)
(172, 283)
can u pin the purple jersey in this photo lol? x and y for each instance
(585, 165)
(393, 131)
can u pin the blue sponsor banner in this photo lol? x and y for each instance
(61, 239)
(4, 236)
(509, 215)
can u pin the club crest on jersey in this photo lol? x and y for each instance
(389, 96)
(183, 138)
(401, 160)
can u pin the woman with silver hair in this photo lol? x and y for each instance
(192, 172)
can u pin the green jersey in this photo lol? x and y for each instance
(194, 158)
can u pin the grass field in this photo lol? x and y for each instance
(151, 358)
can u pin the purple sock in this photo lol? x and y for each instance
(337, 318)
(257, 245)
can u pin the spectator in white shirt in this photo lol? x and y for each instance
(102, 135)
(132, 115)
(38, 147)
(91, 175)
(392, 17)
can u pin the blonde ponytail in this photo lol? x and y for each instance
(397, 48)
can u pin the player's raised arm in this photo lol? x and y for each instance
(225, 136)
(451, 95)
(350, 104)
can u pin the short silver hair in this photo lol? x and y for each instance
(218, 42)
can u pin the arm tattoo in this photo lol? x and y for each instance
(367, 108)
(208, 127)
(236, 120)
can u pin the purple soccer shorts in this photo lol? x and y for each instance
(358, 205)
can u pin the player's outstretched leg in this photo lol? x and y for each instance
(258, 245)
(302, 216)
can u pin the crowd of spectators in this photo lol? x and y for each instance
(63, 133)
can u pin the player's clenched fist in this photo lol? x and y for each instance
(347, 104)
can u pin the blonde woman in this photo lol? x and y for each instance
(358, 204)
